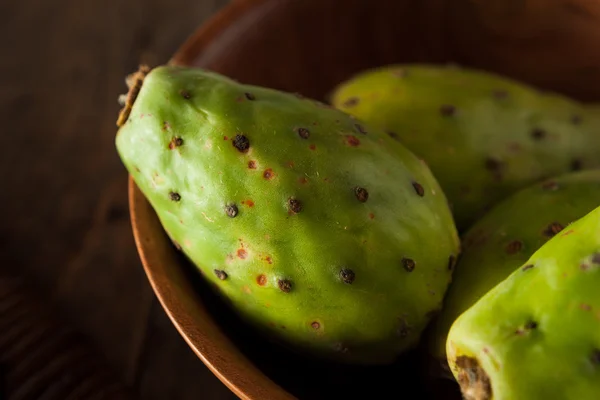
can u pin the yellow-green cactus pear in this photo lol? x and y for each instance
(505, 238)
(483, 135)
(536, 334)
(325, 233)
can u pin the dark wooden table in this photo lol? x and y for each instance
(64, 221)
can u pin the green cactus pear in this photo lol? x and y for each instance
(483, 135)
(505, 238)
(536, 334)
(325, 234)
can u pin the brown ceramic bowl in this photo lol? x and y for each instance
(308, 46)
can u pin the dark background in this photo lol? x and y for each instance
(64, 223)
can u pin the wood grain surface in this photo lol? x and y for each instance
(64, 224)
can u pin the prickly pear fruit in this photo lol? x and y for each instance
(536, 335)
(505, 238)
(325, 233)
(483, 135)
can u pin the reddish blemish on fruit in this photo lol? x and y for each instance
(166, 126)
(246, 289)
(242, 254)
(550, 185)
(315, 325)
(585, 307)
(303, 180)
(268, 174)
(514, 146)
(225, 138)
(312, 147)
(568, 232)
(261, 280)
(371, 215)
(400, 73)
(269, 260)
(248, 202)
(500, 94)
(352, 140)
(252, 164)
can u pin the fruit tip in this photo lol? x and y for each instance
(134, 83)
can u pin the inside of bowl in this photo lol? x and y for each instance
(310, 46)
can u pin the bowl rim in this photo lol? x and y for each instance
(203, 36)
(200, 39)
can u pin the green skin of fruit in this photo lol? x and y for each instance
(536, 335)
(371, 320)
(505, 238)
(484, 136)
